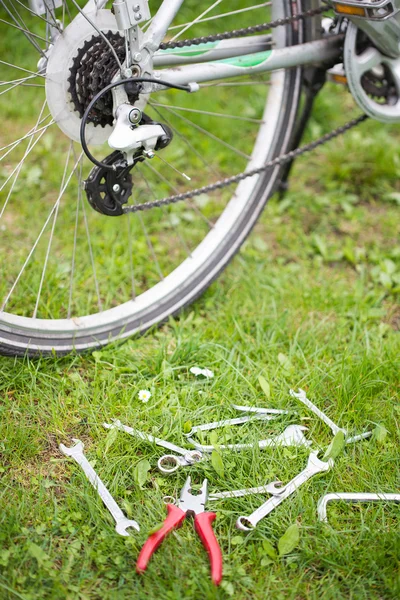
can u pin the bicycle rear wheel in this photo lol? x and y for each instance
(72, 279)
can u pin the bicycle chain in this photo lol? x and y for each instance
(279, 160)
(227, 35)
(276, 162)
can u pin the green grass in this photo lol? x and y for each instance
(311, 301)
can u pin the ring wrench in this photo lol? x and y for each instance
(351, 497)
(314, 466)
(121, 521)
(168, 463)
(292, 436)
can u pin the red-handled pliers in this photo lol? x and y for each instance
(188, 505)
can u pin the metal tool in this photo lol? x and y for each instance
(270, 488)
(121, 521)
(292, 436)
(301, 395)
(168, 463)
(261, 411)
(193, 505)
(351, 497)
(314, 466)
(227, 422)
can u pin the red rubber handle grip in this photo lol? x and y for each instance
(175, 518)
(203, 526)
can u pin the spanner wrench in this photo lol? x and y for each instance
(314, 466)
(168, 463)
(301, 395)
(262, 489)
(122, 522)
(292, 436)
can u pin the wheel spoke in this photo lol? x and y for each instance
(54, 208)
(167, 213)
(224, 15)
(28, 34)
(53, 22)
(130, 249)
(7, 64)
(209, 113)
(188, 25)
(78, 201)
(96, 282)
(176, 191)
(31, 144)
(150, 245)
(51, 235)
(208, 134)
(188, 143)
(30, 134)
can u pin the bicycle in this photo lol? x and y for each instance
(142, 143)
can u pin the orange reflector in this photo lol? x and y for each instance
(345, 9)
(339, 79)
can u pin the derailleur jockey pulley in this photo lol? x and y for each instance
(109, 185)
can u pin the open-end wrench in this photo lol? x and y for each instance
(301, 395)
(122, 522)
(292, 436)
(168, 463)
(314, 466)
(228, 422)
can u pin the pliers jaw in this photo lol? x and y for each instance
(193, 504)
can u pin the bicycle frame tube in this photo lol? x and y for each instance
(244, 56)
(160, 23)
(316, 52)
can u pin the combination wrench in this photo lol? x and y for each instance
(314, 466)
(121, 521)
(168, 463)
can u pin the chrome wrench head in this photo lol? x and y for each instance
(169, 463)
(301, 395)
(314, 466)
(74, 451)
(262, 489)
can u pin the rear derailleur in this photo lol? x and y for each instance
(108, 189)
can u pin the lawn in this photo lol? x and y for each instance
(311, 301)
